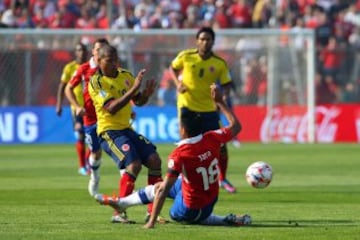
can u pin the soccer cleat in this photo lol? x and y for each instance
(227, 186)
(93, 186)
(160, 219)
(237, 220)
(83, 171)
(121, 218)
(111, 201)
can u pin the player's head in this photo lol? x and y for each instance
(207, 30)
(108, 60)
(80, 53)
(190, 124)
(205, 39)
(97, 45)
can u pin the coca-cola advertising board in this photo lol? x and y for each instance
(333, 123)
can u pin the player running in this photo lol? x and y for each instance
(82, 78)
(78, 125)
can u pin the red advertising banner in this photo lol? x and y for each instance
(334, 123)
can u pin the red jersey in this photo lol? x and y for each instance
(197, 160)
(82, 76)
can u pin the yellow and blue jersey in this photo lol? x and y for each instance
(197, 76)
(103, 89)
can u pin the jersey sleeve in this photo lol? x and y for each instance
(178, 62)
(174, 166)
(225, 76)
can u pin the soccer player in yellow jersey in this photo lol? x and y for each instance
(194, 71)
(111, 90)
(68, 72)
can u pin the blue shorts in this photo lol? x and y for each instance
(181, 213)
(91, 138)
(209, 120)
(126, 146)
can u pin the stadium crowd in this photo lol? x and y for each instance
(336, 24)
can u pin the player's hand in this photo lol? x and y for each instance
(139, 78)
(149, 225)
(216, 93)
(149, 88)
(181, 88)
(58, 111)
(80, 111)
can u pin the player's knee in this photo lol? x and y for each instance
(154, 161)
(134, 167)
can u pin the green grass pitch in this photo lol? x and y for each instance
(315, 194)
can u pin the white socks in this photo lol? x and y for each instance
(94, 166)
(143, 196)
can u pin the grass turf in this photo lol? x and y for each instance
(315, 194)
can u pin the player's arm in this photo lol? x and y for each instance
(60, 98)
(174, 73)
(70, 95)
(113, 105)
(226, 88)
(218, 97)
(160, 196)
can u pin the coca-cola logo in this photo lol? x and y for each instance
(284, 126)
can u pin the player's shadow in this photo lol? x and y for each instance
(303, 223)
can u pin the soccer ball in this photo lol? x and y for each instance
(259, 174)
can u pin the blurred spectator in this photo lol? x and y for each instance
(323, 30)
(39, 20)
(262, 13)
(167, 94)
(331, 59)
(240, 14)
(192, 17)
(47, 7)
(324, 92)
(101, 17)
(8, 18)
(86, 20)
(349, 94)
(254, 88)
(65, 16)
(24, 20)
(222, 20)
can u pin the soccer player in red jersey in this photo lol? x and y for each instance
(193, 71)
(78, 124)
(82, 76)
(192, 175)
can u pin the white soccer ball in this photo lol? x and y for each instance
(259, 174)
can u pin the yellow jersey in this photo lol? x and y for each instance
(68, 71)
(102, 89)
(197, 76)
